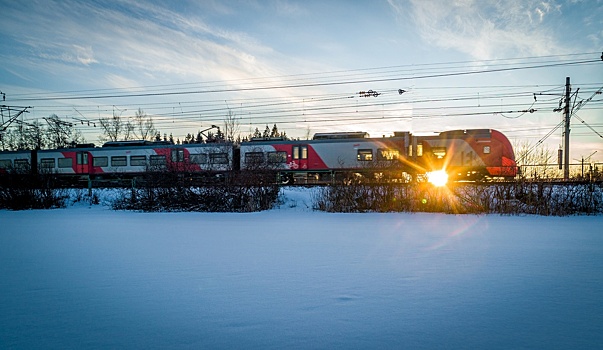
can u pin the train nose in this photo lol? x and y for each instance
(509, 166)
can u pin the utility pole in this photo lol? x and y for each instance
(566, 132)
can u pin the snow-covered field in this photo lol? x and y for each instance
(292, 278)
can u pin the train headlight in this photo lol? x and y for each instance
(437, 178)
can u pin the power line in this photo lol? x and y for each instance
(312, 84)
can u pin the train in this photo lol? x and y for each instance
(463, 155)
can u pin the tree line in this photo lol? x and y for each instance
(56, 133)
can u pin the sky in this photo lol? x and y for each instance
(292, 278)
(303, 65)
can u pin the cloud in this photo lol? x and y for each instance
(289, 8)
(84, 55)
(485, 29)
(137, 38)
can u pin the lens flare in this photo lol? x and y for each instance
(437, 178)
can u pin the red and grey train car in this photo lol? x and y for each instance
(462, 154)
(121, 159)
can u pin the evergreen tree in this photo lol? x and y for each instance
(274, 131)
(220, 136)
(210, 137)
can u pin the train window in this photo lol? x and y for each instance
(138, 160)
(254, 158)
(419, 150)
(486, 149)
(47, 163)
(65, 162)
(300, 152)
(218, 158)
(387, 154)
(5, 163)
(157, 160)
(277, 157)
(365, 154)
(178, 155)
(82, 158)
(21, 164)
(439, 152)
(119, 161)
(200, 158)
(100, 161)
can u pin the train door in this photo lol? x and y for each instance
(82, 163)
(300, 156)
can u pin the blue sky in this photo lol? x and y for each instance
(302, 64)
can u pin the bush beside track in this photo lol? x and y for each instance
(510, 198)
(256, 191)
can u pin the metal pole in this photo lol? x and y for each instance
(566, 116)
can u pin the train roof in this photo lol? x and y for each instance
(136, 143)
(476, 133)
(341, 135)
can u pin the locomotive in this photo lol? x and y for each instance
(473, 154)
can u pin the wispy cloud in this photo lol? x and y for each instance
(144, 39)
(485, 29)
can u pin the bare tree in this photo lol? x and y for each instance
(145, 127)
(111, 128)
(34, 136)
(308, 132)
(129, 131)
(60, 134)
(117, 128)
(535, 161)
(231, 126)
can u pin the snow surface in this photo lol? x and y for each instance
(293, 278)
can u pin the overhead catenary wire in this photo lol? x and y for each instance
(335, 108)
(310, 84)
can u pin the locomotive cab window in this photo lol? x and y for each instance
(387, 154)
(365, 155)
(486, 149)
(277, 157)
(439, 152)
(100, 161)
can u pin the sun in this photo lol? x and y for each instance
(437, 178)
